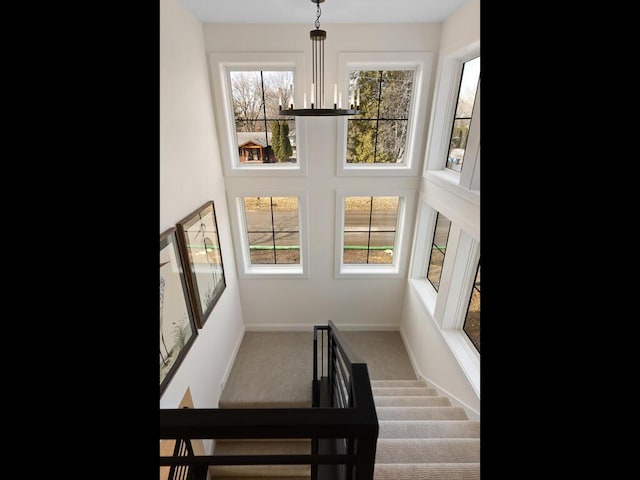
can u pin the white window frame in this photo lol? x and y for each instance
(446, 309)
(241, 239)
(221, 64)
(421, 63)
(455, 311)
(368, 270)
(442, 117)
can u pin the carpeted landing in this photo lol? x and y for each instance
(421, 436)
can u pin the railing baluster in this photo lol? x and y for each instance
(353, 428)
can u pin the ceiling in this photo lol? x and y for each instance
(332, 11)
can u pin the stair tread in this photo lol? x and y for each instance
(279, 477)
(263, 447)
(403, 391)
(398, 383)
(260, 471)
(429, 429)
(421, 471)
(421, 413)
(428, 450)
(411, 401)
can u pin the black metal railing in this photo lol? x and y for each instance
(342, 423)
(183, 448)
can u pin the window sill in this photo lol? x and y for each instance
(426, 292)
(367, 271)
(271, 271)
(376, 169)
(467, 356)
(450, 180)
(267, 169)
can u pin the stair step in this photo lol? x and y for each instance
(412, 401)
(432, 471)
(429, 429)
(398, 383)
(403, 391)
(428, 450)
(421, 413)
(305, 477)
(261, 447)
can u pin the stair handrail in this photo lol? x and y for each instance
(357, 423)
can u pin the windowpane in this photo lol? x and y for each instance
(384, 214)
(458, 144)
(261, 249)
(438, 250)
(378, 134)
(273, 229)
(464, 108)
(263, 135)
(370, 229)
(287, 248)
(472, 321)
(361, 141)
(396, 94)
(391, 141)
(356, 247)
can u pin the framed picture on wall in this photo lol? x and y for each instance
(177, 323)
(200, 249)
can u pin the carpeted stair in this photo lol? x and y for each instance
(421, 437)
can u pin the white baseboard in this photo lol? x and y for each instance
(367, 327)
(347, 327)
(472, 413)
(231, 361)
(277, 327)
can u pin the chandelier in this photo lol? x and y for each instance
(317, 101)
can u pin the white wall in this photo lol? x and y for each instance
(430, 352)
(301, 303)
(190, 174)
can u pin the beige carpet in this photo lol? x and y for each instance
(384, 353)
(274, 369)
(271, 370)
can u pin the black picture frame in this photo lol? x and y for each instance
(178, 329)
(202, 259)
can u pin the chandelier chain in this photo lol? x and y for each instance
(318, 13)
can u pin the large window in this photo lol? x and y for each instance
(378, 134)
(369, 233)
(462, 118)
(263, 135)
(248, 89)
(386, 137)
(369, 229)
(273, 230)
(271, 235)
(472, 320)
(438, 250)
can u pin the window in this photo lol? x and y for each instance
(378, 134)
(369, 229)
(369, 233)
(263, 136)
(271, 234)
(248, 89)
(462, 117)
(438, 250)
(273, 230)
(472, 320)
(391, 88)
